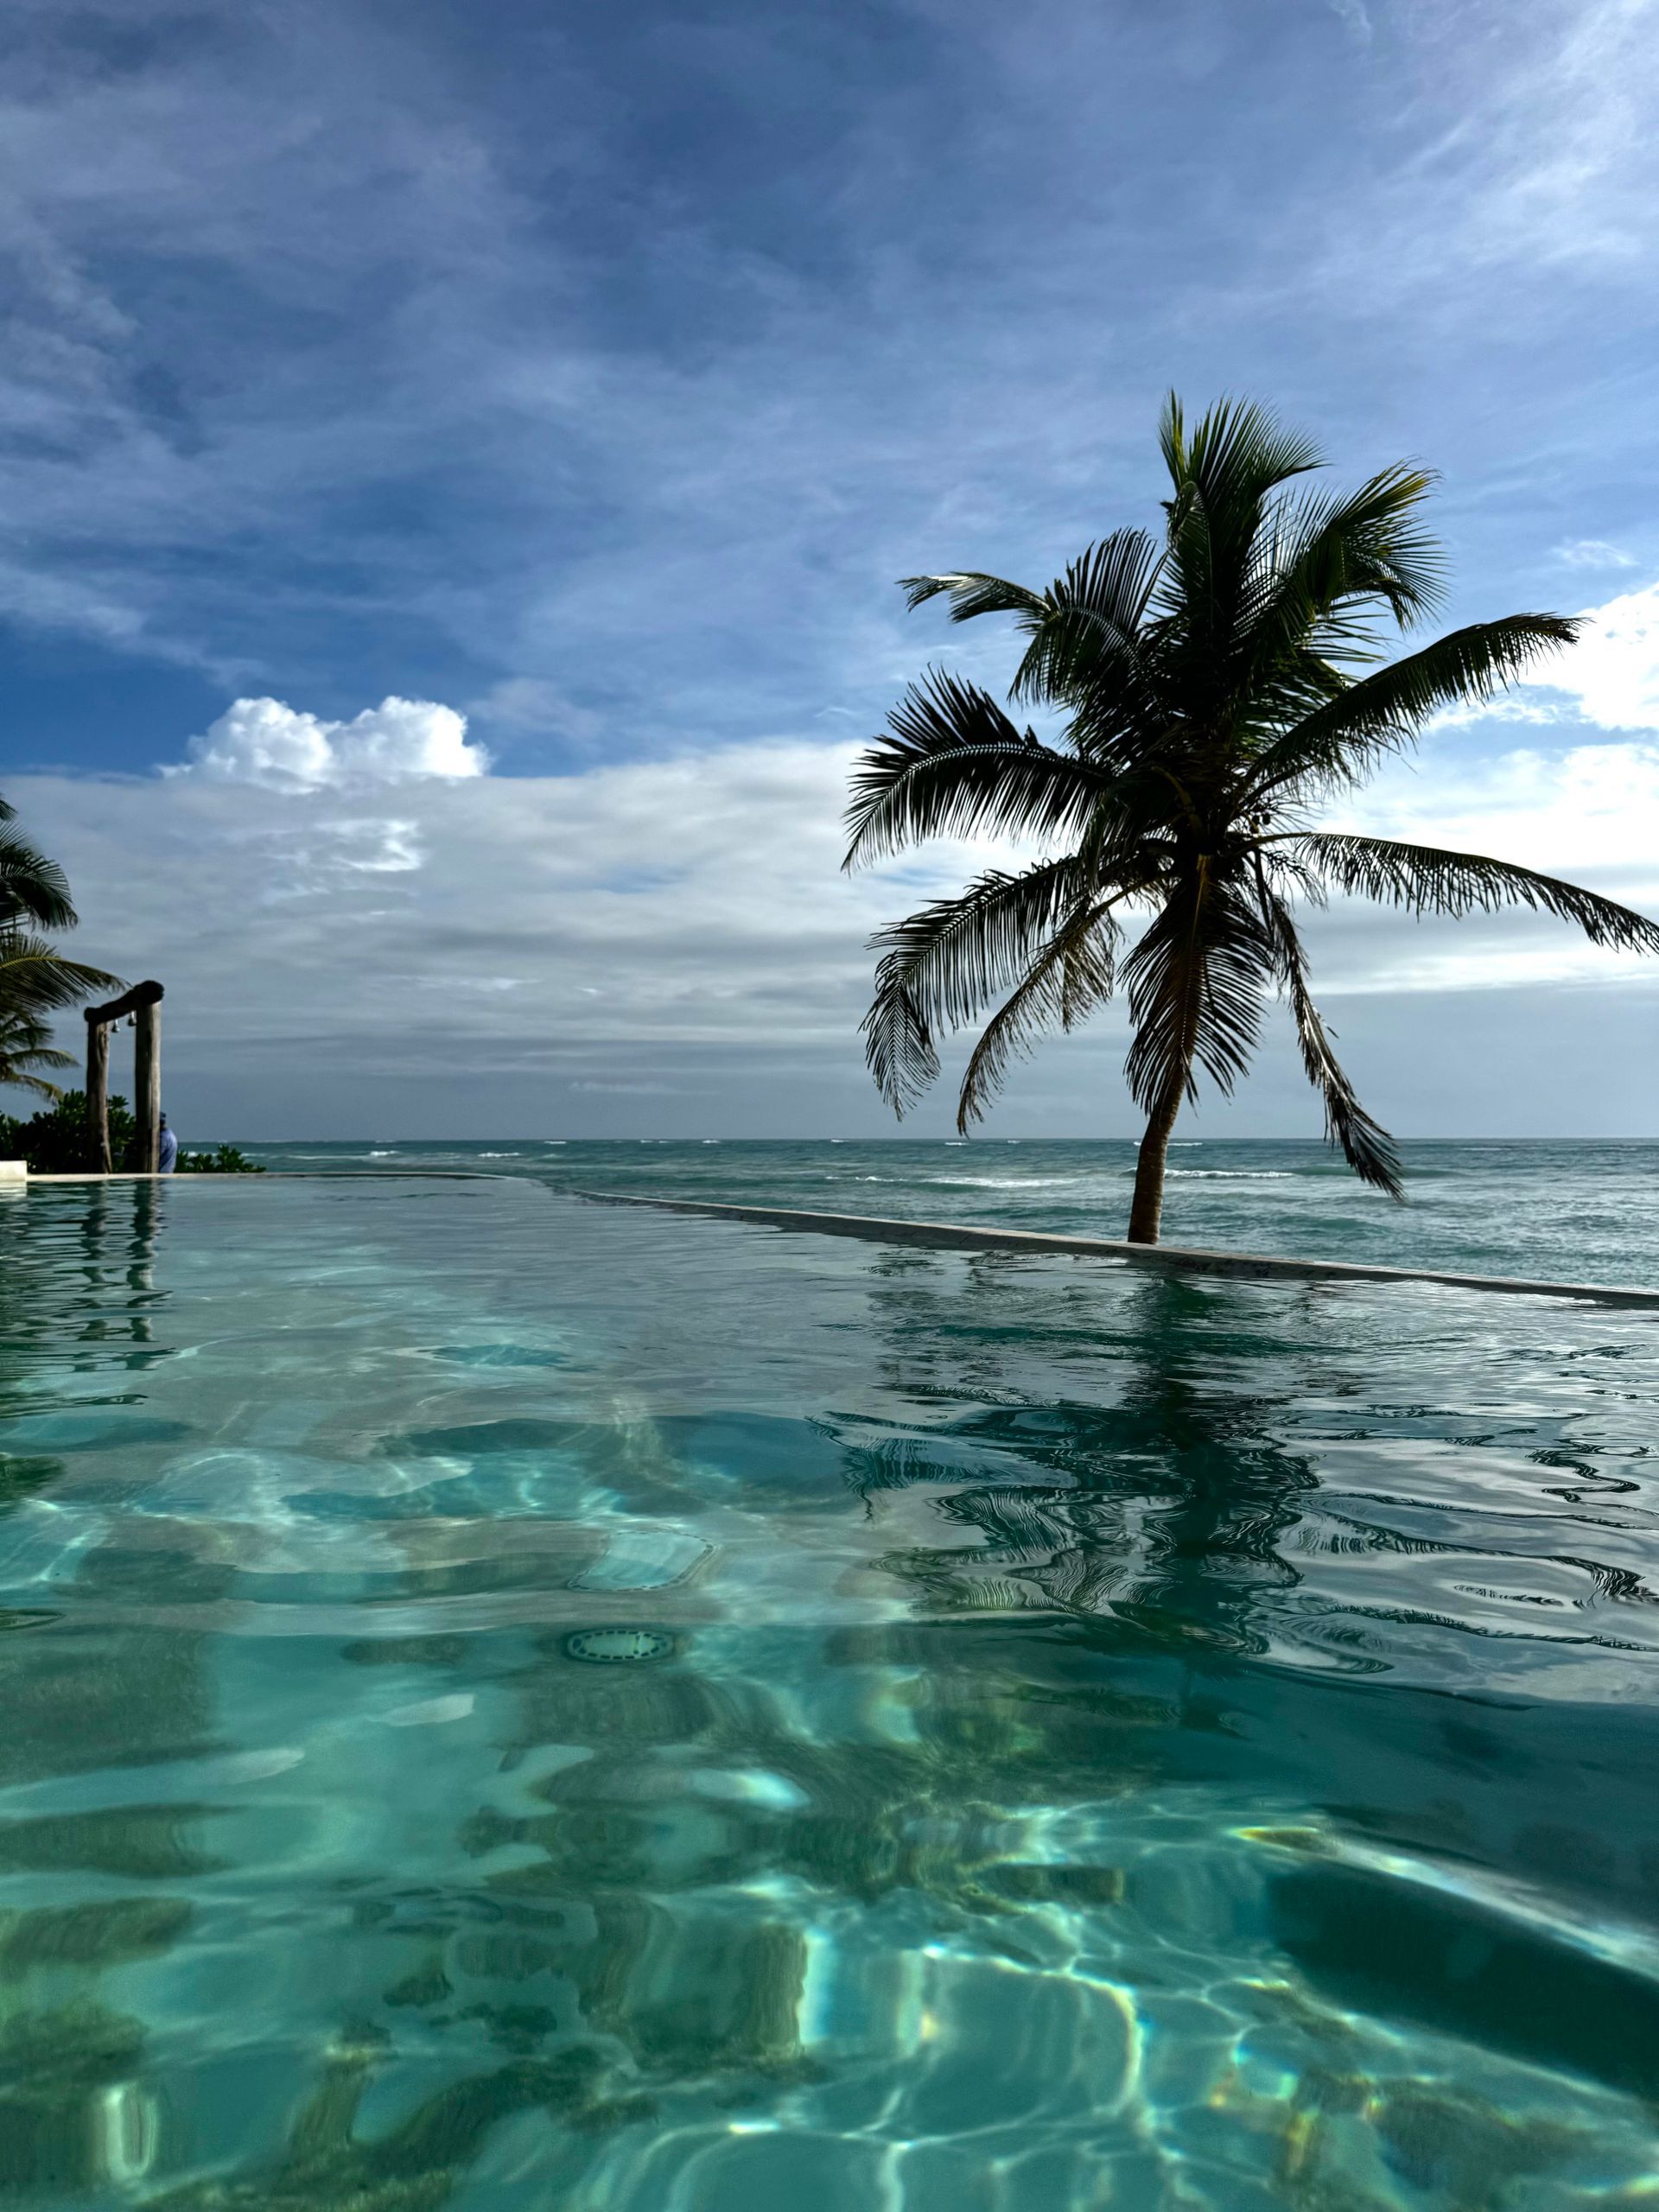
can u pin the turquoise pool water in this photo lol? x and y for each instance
(511, 1704)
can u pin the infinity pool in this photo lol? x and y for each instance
(519, 1707)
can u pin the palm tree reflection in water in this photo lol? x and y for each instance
(1169, 1503)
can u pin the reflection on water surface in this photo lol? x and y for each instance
(511, 1704)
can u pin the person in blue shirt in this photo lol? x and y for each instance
(169, 1152)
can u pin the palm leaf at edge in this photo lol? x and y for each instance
(952, 763)
(1429, 880)
(1363, 1142)
(35, 978)
(943, 964)
(1383, 712)
(31, 886)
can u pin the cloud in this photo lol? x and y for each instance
(530, 705)
(630, 1090)
(1356, 16)
(612, 405)
(679, 931)
(691, 904)
(1613, 669)
(278, 748)
(1593, 809)
(1588, 812)
(1548, 157)
(1608, 678)
(1592, 553)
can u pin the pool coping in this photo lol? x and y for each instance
(1174, 1259)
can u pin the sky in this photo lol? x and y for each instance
(455, 460)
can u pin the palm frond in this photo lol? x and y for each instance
(1196, 978)
(1222, 476)
(1424, 880)
(1073, 974)
(1322, 557)
(1340, 742)
(1088, 620)
(26, 1047)
(32, 887)
(951, 763)
(943, 964)
(1289, 874)
(21, 1073)
(14, 1078)
(35, 978)
(1364, 1143)
(1236, 454)
(972, 593)
(1084, 629)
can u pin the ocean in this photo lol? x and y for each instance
(1565, 1212)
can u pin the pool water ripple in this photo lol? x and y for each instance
(513, 1704)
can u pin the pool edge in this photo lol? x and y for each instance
(1173, 1258)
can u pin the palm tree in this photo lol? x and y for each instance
(1215, 685)
(26, 1047)
(35, 979)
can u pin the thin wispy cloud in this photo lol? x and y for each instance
(506, 388)
(1592, 553)
(1356, 16)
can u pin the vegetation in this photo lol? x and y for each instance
(58, 1140)
(223, 1159)
(26, 1048)
(36, 980)
(1214, 684)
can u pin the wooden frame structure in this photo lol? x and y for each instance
(143, 1003)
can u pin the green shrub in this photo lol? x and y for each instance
(224, 1160)
(58, 1140)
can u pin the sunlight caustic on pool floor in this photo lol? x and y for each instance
(513, 1705)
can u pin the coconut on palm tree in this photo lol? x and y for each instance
(1214, 683)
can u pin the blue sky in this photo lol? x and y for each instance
(592, 374)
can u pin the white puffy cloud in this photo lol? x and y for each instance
(1613, 669)
(1609, 676)
(277, 747)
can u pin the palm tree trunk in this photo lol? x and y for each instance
(1146, 1207)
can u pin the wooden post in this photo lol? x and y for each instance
(98, 1089)
(143, 1002)
(146, 1086)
